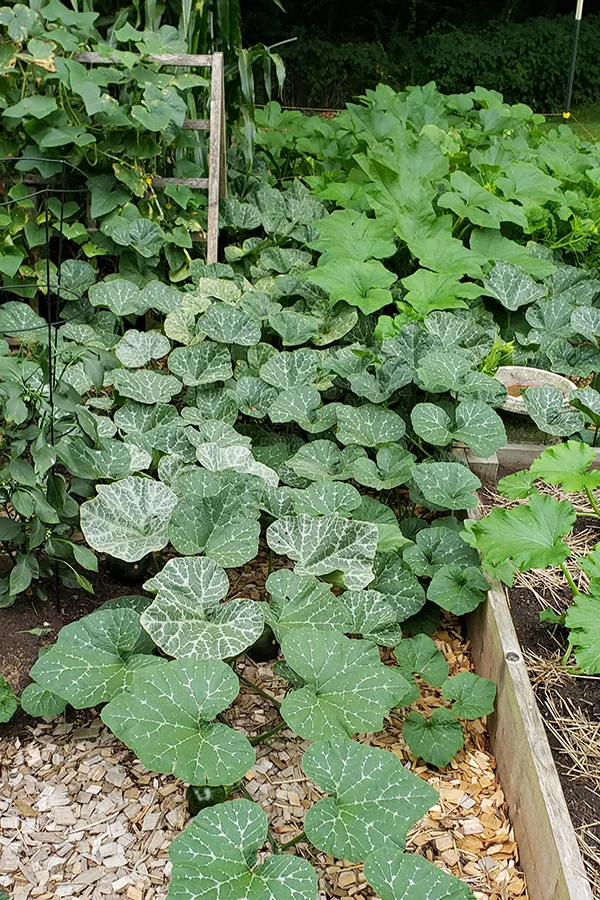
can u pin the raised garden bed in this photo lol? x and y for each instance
(512, 647)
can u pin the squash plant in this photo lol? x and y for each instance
(532, 536)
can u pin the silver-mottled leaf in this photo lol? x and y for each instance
(301, 600)
(368, 425)
(228, 325)
(136, 348)
(146, 386)
(187, 617)
(405, 876)
(214, 859)
(201, 364)
(512, 286)
(326, 545)
(291, 369)
(447, 485)
(128, 519)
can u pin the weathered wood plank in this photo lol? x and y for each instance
(164, 59)
(515, 457)
(214, 158)
(486, 468)
(196, 124)
(547, 843)
(198, 183)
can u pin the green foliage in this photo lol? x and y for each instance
(531, 536)
(8, 701)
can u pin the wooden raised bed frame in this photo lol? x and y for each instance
(548, 849)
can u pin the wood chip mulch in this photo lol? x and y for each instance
(81, 817)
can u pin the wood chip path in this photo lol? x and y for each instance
(81, 817)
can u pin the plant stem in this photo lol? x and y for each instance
(571, 583)
(565, 658)
(260, 691)
(590, 495)
(266, 735)
(296, 840)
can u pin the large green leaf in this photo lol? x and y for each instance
(326, 545)
(435, 547)
(526, 537)
(128, 519)
(368, 425)
(346, 233)
(419, 655)
(301, 600)
(201, 364)
(215, 858)
(166, 716)
(447, 485)
(187, 617)
(435, 739)
(428, 291)
(470, 200)
(403, 876)
(146, 386)
(582, 620)
(475, 423)
(457, 588)
(365, 785)
(567, 465)
(362, 284)
(320, 460)
(347, 689)
(94, 659)
(473, 695)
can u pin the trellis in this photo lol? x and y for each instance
(216, 183)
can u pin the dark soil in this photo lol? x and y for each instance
(550, 642)
(19, 649)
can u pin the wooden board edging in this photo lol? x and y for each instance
(548, 849)
(512, 458)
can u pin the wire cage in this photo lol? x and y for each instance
(46, 200)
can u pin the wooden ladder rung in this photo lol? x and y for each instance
(196, 124)
(188, 182)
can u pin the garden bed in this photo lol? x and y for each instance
(81, 817)
(529, 655)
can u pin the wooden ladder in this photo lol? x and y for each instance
(216, 183)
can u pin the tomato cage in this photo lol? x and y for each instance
(41, 297)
